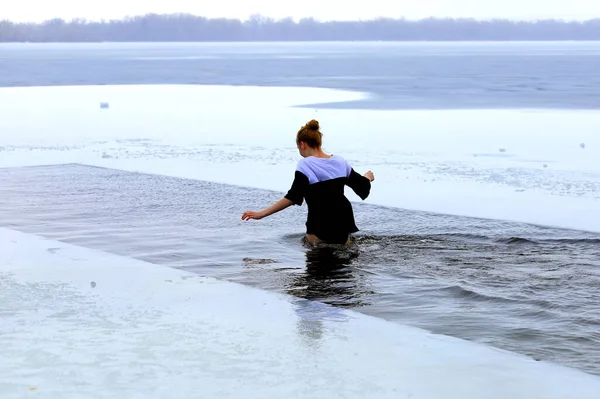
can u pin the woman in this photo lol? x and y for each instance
(320, 180)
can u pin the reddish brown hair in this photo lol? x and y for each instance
(310, 134)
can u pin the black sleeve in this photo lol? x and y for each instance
(359, 184)
(298, 189)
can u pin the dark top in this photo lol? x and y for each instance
(321, 182)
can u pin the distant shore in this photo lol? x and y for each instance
(192, 28)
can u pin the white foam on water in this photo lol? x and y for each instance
(522, 165)
(80, 323)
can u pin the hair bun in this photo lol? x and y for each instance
(313, 125)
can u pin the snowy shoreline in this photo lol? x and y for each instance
(79, 321)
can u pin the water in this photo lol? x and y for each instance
(515, 286)
(398, 75)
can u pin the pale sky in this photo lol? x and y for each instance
(37, 10)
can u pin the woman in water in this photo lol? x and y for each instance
(320, 179)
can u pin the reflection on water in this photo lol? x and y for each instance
(330, 277)
(313, 318)
(524, 288)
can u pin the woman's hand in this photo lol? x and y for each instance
(253, 215)
(369, 175)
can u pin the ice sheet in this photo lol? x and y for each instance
(78, 323)
(532, 166)
(88, 324)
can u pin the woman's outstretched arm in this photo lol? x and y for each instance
(276, 207)
(295, 195)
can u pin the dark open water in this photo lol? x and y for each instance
(524, 288)
(399, 75)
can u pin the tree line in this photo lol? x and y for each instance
(186, 27)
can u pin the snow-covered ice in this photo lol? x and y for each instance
(521, 165)
(79, 323)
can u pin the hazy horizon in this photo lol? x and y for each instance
(34, 11)
(187, 27)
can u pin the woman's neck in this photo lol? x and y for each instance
(317, 152)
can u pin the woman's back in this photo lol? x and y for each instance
(323, 169)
